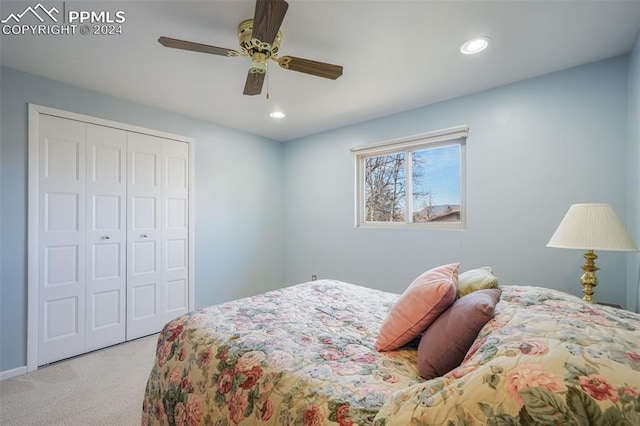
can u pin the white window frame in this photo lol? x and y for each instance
(446, 137)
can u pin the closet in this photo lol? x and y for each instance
(113, 233)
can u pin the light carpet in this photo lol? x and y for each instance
(104, 387)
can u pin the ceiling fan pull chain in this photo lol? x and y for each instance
(267, 81)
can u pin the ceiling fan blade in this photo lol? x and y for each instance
(254, 83)
(196, 47)
(267, 19)
(308, 66)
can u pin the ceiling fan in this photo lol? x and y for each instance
(260, 39)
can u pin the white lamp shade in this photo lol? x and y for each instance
(592, 227)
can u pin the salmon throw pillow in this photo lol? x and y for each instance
(427, 297)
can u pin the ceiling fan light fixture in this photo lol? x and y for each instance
(258, 68)
(277, 114)
(259, 62)
(475, 45)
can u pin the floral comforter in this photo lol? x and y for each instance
(547, 358)
(304, 355)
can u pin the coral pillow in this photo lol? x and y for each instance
(446, 342)
(476, 279)
(427, 297)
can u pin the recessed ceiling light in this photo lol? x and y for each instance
(276, 114)
(475, 45)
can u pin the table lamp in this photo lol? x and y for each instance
(591, 227)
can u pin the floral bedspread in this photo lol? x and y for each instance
(302, 355)
(546, 358)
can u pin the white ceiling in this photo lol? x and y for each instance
(397, 55)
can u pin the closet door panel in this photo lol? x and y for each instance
(175, 193)
(61, 278)
(106, 236)
(144, 191)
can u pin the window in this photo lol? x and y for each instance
(413, 182)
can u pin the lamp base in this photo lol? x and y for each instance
(589, 279)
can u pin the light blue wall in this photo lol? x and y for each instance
(534, 148)
(238, 199)
(633, 169)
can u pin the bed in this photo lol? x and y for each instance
(306, 355)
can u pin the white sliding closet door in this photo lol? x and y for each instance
(61, 251)
(106, 236)
(144, 290)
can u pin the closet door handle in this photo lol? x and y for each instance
(106, 237)
(144, 235)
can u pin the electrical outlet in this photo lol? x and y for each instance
(314, 277)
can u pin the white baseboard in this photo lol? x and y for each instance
(13, 373)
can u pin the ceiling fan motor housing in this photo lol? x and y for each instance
(259, 51)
